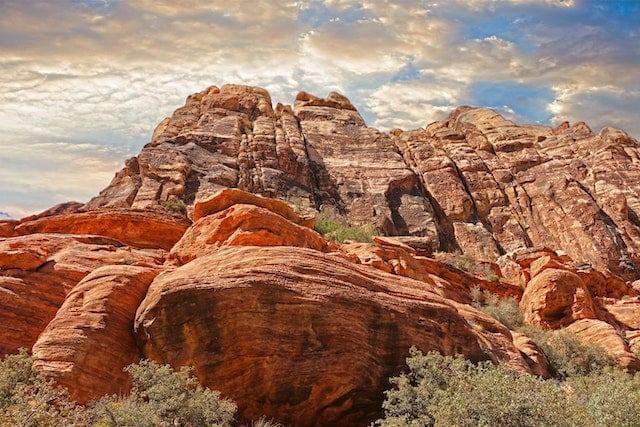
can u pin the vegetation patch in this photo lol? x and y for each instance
(505, 310)
(160, 396)
(176, 206)
(451, 391)
(336, 230)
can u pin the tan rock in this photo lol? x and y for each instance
(475, 182)
(475, 241)
(358, 171)
(90, 340)
(142, 229)
(301, 336)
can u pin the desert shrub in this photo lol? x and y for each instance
(161, 395)
(608, 397)
(465, 262)
(566, 354)
(176, 206)
(451, 391)
(335, 230)
(29, 399)
(505, 310)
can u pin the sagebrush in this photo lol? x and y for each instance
(451, 391)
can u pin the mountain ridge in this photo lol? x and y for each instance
(475, 182)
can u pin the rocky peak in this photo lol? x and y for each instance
(475, 182)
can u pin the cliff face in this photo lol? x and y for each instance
(476, 182)
(296, 327)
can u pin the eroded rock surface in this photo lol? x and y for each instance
(142, 229)
(302, 336)
(38, 271)
(90, 341)
(220, 206)
(476, 182)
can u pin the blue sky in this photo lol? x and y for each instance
(83, 83)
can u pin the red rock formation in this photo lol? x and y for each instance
(595, 331)
(244, 225)
(305, 331)
(556, 298)
(142, 229)
(90, 340)
(38, 271)
(7, 227)
(301, 336)
(231, 196)
(475, 182)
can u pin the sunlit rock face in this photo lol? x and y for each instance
(475, 183)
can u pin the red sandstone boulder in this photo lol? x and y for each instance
(38, 271)
(556, 298)
(245, 225)
(7, 227)
(301, 336)
(594, 331)
(142, 229)
(90, 340)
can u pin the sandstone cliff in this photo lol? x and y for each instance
(476, 182)
(202, 252)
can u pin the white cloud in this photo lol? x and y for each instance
(56, 172)
(598, 107)
(105, 73)
(406, 105)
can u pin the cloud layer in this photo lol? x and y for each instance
(84, 82)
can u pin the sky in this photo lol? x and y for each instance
(83, 83)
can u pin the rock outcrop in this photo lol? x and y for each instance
(38, 271)
(475, 182)
(141, 229)
(305, 337)
(202, 252)
(94, 325)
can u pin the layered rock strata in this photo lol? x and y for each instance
(475, 183)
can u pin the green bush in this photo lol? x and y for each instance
(608, 397)
(176, 206)
(450, 391)
(566, 354)
(505, 310)
(162, 396)
(28, 399)
(335, 230)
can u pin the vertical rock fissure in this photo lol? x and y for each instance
(315, 189)
(443, 224)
